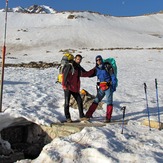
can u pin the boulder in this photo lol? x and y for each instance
(87, 100)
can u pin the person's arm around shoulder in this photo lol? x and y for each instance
(90, 73)
(82, 69)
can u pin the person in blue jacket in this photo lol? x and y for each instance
(107, 82)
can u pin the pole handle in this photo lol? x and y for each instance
(124, 109)
(145, 88)
(156, 83)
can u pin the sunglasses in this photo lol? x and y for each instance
(98, 60)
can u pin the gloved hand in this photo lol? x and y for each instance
(98, 83)
(109, 83)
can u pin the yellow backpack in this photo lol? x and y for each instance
(66, 59)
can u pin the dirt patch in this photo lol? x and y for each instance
(39, 65)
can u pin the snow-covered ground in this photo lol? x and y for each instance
(34, 95)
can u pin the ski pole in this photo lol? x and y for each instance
(145, 89)
(123, 108)
(157, 103)
(3, 58)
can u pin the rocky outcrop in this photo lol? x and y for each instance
(87, 101)
(39, 64)
(34, 9)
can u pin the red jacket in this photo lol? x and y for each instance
(72, 74)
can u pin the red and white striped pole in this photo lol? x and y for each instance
(3, 57)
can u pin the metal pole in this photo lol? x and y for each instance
(3, 58)
(145, 89)
(124, 109)
(157, 104)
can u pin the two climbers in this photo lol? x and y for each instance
(107, 83)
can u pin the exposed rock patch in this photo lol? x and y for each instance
(87, 101)
(39, 64)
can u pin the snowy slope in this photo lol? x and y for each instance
(85, 30)
(33, 94)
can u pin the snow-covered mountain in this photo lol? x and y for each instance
(81, 30)
(137, 45)
(42, 9)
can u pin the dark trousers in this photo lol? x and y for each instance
(77, 97)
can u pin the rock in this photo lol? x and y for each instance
(87, 100)
(153, 124)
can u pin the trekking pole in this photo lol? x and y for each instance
(145, 89)
(157, 104)
(3, 57)
(124, 109)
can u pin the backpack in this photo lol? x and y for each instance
(66, 59)
(114, 66)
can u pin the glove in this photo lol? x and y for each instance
(109, 83)
(98, 83)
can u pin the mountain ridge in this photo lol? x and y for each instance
(37, 9)
(52, 33)
(43, 9)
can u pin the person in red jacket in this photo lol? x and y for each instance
(71, 85)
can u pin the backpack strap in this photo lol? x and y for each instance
(65, 70)
(108, 67)
(110, 70)
(72, 68)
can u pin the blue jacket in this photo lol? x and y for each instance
(105, 73)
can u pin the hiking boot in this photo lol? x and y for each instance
(69, 120)
(84, 119)
(107, 120)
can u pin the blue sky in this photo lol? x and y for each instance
(110, 7)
